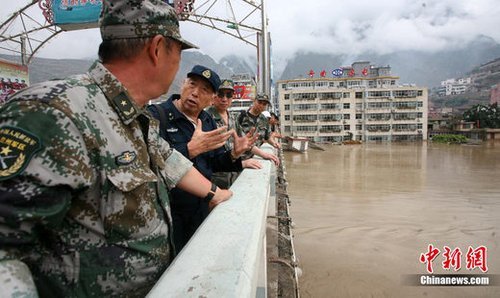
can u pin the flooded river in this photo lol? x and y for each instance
(363, 214)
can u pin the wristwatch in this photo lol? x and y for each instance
(211, 193)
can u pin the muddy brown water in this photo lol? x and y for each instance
(363, 214)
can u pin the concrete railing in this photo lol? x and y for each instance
(227, 255)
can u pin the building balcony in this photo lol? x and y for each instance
(302, 122)
(405, 108)
(378, 119)
(406, 119)
(398, 130)
(330, 120)
(304, 100)
(305, 112)
(330, 130)
(377, 129)
(305, 133)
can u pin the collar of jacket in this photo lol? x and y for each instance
(116, 94)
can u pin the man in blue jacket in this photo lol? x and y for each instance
(194, 133)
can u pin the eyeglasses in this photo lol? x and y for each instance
(226, 94)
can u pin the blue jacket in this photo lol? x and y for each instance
(178, 133)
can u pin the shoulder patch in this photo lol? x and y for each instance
(17, 147)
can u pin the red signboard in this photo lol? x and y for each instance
(13, 77)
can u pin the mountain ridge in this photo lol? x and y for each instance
(421, 68)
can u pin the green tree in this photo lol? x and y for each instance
(487, 116)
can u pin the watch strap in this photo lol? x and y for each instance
(210, 195)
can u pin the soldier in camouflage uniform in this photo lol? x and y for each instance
(84, 173)
(219, 112)
(253, 118)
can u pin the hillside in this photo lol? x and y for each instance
(483, 78)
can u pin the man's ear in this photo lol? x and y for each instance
(154, 49)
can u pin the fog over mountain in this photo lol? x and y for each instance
(422, 68)
(418, 67)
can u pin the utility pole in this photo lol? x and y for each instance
(263, 54)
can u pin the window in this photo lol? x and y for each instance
(419, 125)
(283, 86)
(419, 115)
(330, 128)
(420, 104)
(347, 105)
(378, 116)
(378, 127)
(359, 127)
(287, 96)
(287, 117)
(379, 94)
(347, 116)
(305, 118)
(359, 116)
(346, 95)
(305, 107)
(330, 117)
(359, 94)
(378, 105)
(287, 107)
(306, 96)
(329, 106)
(420, 92)
(306, 128)
(347, 127)
(321, 84)
(330, 95)
(354, 83)
(405, 93)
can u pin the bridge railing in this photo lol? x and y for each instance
(227, 255)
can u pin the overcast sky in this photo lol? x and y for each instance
(326, 26)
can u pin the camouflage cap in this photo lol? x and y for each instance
(262, 96)
(139, 18)
(227, 84)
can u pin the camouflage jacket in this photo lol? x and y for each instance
(218, 120)
(83, 190)
(246, 121)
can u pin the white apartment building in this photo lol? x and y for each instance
(362, 103)
(454, 86)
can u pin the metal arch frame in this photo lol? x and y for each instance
(186, 12)
(202, 18)
(200, 15)
(27, 34)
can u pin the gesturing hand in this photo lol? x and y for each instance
(204, 141)
(244, 143)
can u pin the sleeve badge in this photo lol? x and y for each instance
(17, 147)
